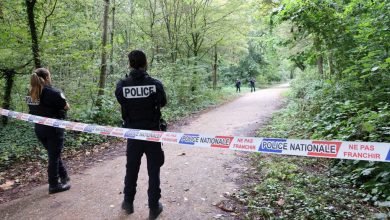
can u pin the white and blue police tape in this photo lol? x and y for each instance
(371, 151)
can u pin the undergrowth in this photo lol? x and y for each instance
(292, 187)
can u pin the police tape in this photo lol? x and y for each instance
(370, 151)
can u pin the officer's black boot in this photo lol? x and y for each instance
(58, 188)
(128, 207)
(64, 180)
(155, 212)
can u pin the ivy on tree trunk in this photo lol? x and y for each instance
(30, 4)
(103, 66)
(9, 75)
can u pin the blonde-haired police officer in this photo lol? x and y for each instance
(45, 100)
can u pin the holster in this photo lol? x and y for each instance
(163, 125)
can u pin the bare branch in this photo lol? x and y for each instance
(207, 51)
(47, 18)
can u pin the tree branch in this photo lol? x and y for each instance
(47, 18)
(3, 70)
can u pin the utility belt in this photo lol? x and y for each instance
(160, 125)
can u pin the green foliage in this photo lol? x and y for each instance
(69, 40)
(179, 53)
(373, 178)
(107, 114)
(312, 113)
(77, 141)
(358, 54)
(299, 188)
(188, 89)
(350, 101)
(265, 60)
(351, 120)
(15, 149)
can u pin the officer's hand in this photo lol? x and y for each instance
(67, 106)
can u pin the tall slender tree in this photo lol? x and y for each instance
(9, 75)
(103, 66)
(30, 4)
(112, 38)
(215, 67)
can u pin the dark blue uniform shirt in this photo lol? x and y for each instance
(51, 103)
(141, 98)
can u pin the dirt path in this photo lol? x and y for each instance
(192, 179)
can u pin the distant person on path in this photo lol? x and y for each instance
(238, 85)
(141, 98)
(252, 84)
(44, 100)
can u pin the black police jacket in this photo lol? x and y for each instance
(51, 104)
(141, 98)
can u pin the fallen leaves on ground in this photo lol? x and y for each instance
(7, 185)
(226, 205)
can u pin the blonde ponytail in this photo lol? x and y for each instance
(36, 85)
(39, 78)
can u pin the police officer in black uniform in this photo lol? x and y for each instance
(252, 84)
(238, 85)
(44, 100)
(141, 98)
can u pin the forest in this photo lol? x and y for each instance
(195, 47)
(334, 53)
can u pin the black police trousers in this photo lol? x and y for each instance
(155, 159)
(53, 140)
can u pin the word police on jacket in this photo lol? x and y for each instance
(131, 92)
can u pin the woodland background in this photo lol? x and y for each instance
(336, 52)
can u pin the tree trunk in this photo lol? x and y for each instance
(103, 66)
(215, 68)
(169, 12)
(1, 11)
(128, 33)
(112, 38)
(330, 64)
(292, 70)
(9, 83)
(33, 31)
(320, 59)
(127, 39)
(320, 65)
(152, 11)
